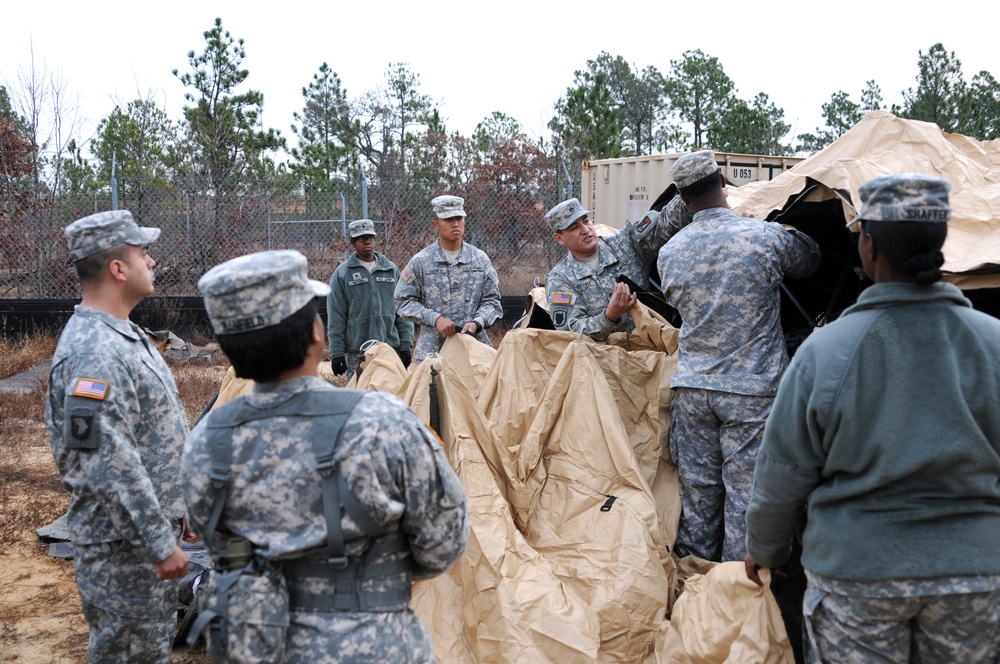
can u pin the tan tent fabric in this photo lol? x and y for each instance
(231, 388)
(536, 298)
(579, 453)
(610, 562)
(382, 370)
(882, 143)
(543, 432)
(502, 602)
(652, 332)
(519, 374)
(603, 230)
(724, 618)
(561, 424)
(470, 358)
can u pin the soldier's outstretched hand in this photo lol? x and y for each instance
(621, 301)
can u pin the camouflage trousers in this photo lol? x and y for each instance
(132, 614)
(349, 637)
(929, 628)
(714, 440)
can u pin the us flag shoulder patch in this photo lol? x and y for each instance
(91, 388)
(562, 298)
(405, 275)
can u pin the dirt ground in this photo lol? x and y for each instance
(41, 621)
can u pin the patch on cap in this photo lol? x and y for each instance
(360, 228)
(446, 207)
(563, 215)
(692, 167)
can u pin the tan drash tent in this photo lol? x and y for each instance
(880, 144)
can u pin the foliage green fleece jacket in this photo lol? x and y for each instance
(885, 434)
(360, 307)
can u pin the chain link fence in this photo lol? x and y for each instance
(204, 225)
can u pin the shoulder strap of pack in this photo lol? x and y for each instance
(220, 444)
(332, 481)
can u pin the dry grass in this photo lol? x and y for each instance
(17, 355)
(198, 383)
(30, 493)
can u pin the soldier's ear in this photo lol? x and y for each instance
(318, 331)
(559, 239)
(116, 269)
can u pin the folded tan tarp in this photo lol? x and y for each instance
(880, 144)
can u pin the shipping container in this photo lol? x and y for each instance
(618, 191)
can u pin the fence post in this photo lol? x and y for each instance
(364, 190)
(569, 181)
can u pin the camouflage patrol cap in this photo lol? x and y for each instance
(104, 230)
(446, 207)
(693, 167)
(563, 215)
(257, 291)
(905, 197)
(360, 228)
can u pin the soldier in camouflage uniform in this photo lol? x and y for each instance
(117, 427)
(885, 439)
(360, 305)
(449, 287)
(581, 289)
(262, 307)
(722, 273)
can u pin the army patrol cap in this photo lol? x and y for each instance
(904, 197)
(360, 228)
(257, 291)
(563, 215)
(104, 230)
(693, 167)
(446, 207)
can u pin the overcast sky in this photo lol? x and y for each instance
(515, 56)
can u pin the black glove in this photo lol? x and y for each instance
(404, 357)
(339, 365)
